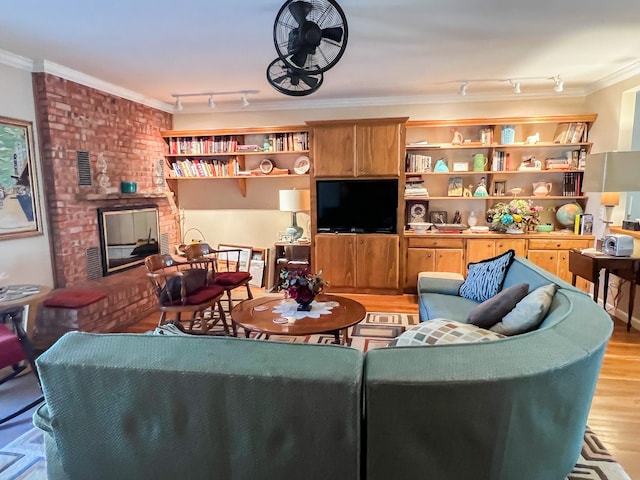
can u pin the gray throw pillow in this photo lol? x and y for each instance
(484, 279)
(491, 311)
(528, 313)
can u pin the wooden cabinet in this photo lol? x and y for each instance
(241, 154)
(358, 148)
(432, 255)
(483, 248)
(368, 263)
(553, 256)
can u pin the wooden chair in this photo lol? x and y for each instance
(15, 349)
(181, 289)
(225, 269)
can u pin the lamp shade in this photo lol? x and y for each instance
(294, 200)
(612, 172)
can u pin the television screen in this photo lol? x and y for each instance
(358, 206)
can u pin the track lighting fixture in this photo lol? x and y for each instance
(463, 88)
(516, 86)
(559, 84)
(244, 101)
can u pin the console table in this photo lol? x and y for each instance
(588, 265)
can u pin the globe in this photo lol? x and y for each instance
(566, 214)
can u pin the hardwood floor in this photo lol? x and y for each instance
(615, 412)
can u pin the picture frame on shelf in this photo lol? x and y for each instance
(19, 196)
(237, 253)
(499, 188)
(417, 211)
(455, 187)
(438, 217)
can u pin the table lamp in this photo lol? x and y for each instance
(611, 173)
(294, 201)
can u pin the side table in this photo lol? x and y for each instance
(588, 265)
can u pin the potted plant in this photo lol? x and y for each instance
(302, 286)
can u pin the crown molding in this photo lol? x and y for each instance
(46, 66)
(616, 77)
(16, 61)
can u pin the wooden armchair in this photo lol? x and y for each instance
(225, 268)
(184, 289)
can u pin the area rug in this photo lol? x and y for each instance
(23, 458)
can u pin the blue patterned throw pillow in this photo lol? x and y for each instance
(485, 278)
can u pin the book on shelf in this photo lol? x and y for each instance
(572, 184)
(205, 167)
(570, 132)
(418, 163)
(586, 224)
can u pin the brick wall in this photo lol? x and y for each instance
(72, 117)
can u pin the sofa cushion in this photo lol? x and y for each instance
(441, 331)
(528, 313)
(437, 305)
(490, 312)
(485, 278)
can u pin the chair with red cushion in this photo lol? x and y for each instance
(15, 349)
(225, 268)
(180, 289)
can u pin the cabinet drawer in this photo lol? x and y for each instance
(436, 242)
(560, 243)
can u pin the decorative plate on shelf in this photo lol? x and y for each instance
(301, 165)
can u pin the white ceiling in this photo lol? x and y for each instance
(398, 51)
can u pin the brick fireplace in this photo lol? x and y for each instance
(75, 122)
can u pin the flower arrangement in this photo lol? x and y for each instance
(516, 215)
(302, 285)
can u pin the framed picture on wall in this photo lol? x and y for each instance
(19, 199)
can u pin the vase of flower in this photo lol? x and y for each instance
(302, 286)
(513, 217)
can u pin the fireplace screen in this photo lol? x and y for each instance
(127, 236)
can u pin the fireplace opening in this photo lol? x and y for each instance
(127, 236)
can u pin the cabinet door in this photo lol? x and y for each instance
(479, 249)
(378, 261)
(563, 265)
(418, 260)
(335, 255)
(378, 149)
(547, 259)
(518, 245)
(449, 260)
(334, 150)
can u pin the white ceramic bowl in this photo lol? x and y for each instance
(420, 227)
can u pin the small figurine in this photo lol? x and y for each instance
(457, 218)
(457, 138)
(467, 191)
(481, 189)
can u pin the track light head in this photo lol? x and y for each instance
(212, 104)
(559, 84)
(179, 104)
(244, 100)
(463, 88)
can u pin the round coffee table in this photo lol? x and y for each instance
(345, 314)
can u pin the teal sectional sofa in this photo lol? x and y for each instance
(131, 406)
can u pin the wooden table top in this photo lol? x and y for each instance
(347, 313)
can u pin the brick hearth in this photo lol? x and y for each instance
(72, 118)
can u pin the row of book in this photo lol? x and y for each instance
(197, 167)
(275, 142)
(415, 187)
(583, 224)
(572, 184)
(570, 132)
(418, 163)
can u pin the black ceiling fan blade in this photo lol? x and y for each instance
(299, 58)
(280, 79)
(309, 80)
(300, 10)
(333, 33)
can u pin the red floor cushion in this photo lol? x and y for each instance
(74, 298)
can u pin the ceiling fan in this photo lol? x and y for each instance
(310, 37)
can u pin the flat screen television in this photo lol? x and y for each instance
(357, 206)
